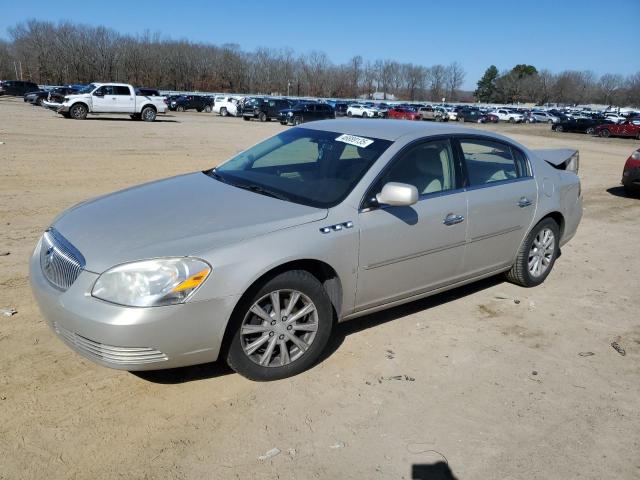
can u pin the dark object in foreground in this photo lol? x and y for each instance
(616, 346)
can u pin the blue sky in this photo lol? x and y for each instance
(560, 34)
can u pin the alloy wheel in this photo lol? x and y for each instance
(541, 253)
(279, 328)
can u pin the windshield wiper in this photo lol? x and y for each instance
(261, 191)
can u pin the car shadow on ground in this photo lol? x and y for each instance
(338, 335)
(620, 192)
(433, 471)
(163, 119)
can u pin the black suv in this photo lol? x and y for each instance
(264, 109)
(306, 112)
(191, 102)
(17, 87)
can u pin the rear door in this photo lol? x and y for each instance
(405, 251)
(125, 100)
(502, 196)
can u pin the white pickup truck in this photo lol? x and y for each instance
(505, 115)
(111, 98)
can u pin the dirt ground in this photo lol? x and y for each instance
(492, 378)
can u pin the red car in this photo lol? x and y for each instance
(628, 128)
(490, 118)
(402, 113)
(631, 174)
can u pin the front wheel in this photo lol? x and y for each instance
(364, 115)
(78, 112)
(207, 109)
(262, 117)
(349, 114)
(281, 329)
(512, 120)
(537, 254)
(559, 128)
(179, 109)
(297, 120)
(246, 119)
(605, 133)
(223, 112)
(590, 131)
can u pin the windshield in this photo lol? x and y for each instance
(311, 167)
(88, 89)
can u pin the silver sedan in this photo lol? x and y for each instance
(254, 261)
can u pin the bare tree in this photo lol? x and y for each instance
(454, 79)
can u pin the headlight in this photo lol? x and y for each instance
(290, 114)
(151, 283)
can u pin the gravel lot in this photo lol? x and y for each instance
(492, 377)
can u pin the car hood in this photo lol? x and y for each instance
(178, 216)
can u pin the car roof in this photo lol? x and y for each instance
(394, 129)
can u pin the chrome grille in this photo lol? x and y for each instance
(60, 261)
(109, 353)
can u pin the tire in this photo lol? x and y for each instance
(364, 115)
(223, 112)
(262, 117)
(78, 111)
(462, 119)
(638, 136)
(559, 128)
(590, 131)
(297, 120)
(605, 133)
(199, 110)
(549, 121)
(349, 114)
(246, 359)
(512, 120)
(522, 273)
(207, 109)
(148, 114)
(39, 101)
(179, 108)
(246, 118)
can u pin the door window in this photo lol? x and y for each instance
(489, 161)
(428, 166)
(120, 90)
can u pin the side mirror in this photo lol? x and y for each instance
(398, 194)
(99, 93)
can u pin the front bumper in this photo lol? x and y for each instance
(631, 178)
(130, 338)
(63, 108)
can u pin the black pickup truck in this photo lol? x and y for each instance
(264, 109)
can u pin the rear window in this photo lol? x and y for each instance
(490, 161)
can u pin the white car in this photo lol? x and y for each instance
(111, 98)
(451, 113)
(505, 115)
(224, 106)
(615, 117)
(357, 110)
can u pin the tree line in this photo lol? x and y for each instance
(67, 52)
(524, 83)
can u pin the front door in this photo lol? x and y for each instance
(408, 250)
(103, 99)
(502, 197)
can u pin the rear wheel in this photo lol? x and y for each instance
(223, 112)
(590, 131)
(179, 108)
(281, 329)
(207, 109)
(78, 111)
(349, 114)
(364, 115)
(512, 120)
(559, 128)
(297, 120)
(549, 121)
(262, 117)
(148, 114)
(39, 101)
(537, 254)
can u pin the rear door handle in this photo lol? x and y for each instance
(524, 202)
(452, 219)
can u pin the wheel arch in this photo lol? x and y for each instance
(321, 270)
(151, 105)
(556, 217)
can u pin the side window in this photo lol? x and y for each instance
(120, 90)
(489, 161)
(428, 166)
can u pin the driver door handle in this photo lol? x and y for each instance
(453, 219)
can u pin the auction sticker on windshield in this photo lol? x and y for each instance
(354, 140)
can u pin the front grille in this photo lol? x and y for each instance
(60, 261)
(109, 353)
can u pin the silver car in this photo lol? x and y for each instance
(254, 261)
